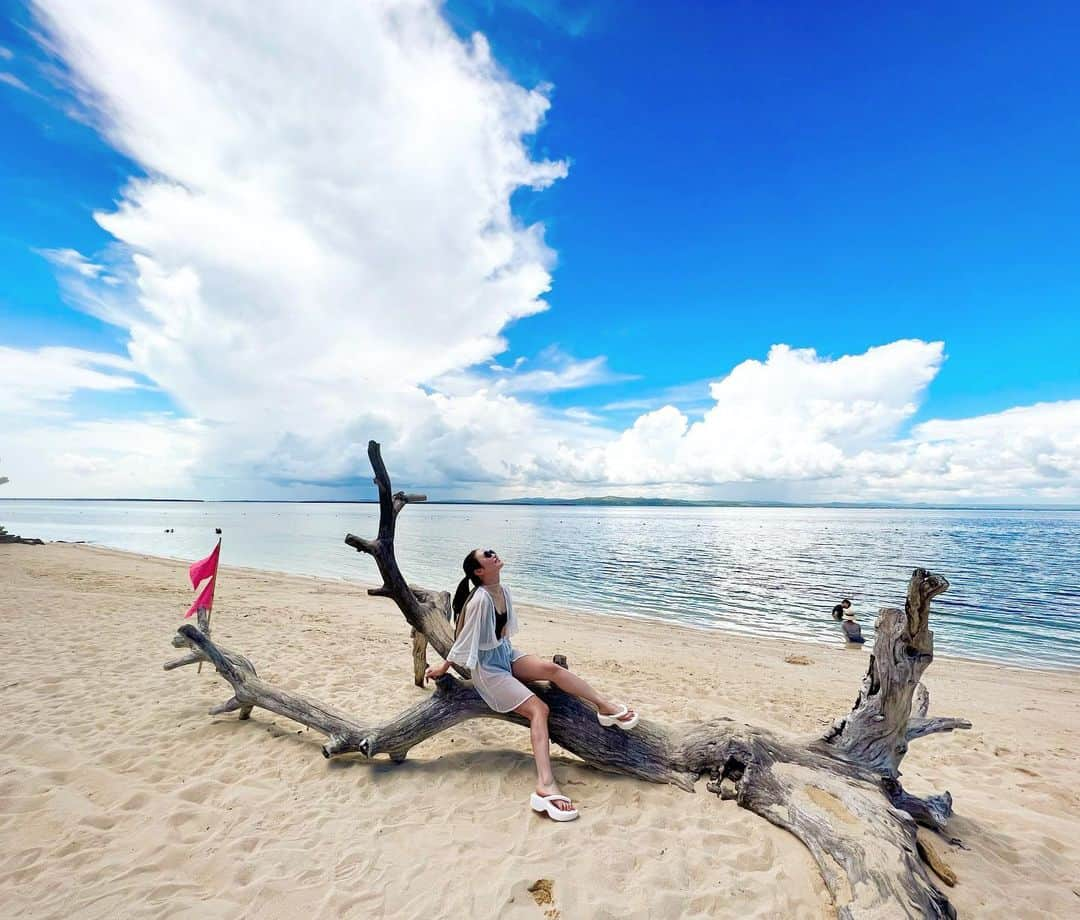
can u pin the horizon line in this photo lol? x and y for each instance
(593, 501)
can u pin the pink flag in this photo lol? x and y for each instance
(205, 598)
(205, 568)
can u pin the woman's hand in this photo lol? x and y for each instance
(436, 671)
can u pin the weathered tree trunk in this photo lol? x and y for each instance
(840, 794)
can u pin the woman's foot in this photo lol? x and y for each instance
(609, 709)
(545, 789)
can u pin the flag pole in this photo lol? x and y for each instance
(202, 617)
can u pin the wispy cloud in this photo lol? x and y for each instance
(11, 80)
(574, 17)
(42, 380)
(555, 371)
(74, 261)
(690, 397)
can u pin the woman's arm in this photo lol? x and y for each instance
(436, 671)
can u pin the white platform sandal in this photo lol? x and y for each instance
(613, 719)
(542, 803)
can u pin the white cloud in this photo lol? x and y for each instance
(73, 260)
(555, 371)
(151, 456)
(835, 427)
(793, 416)
(1028, 451)
(325, 228)
(11, 80)
(41, 380)
(687, 396)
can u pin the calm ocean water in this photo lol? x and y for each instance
(1015, 575)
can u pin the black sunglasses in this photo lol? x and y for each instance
(490, 554)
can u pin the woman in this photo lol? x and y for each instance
(852, 630)
(484, 621)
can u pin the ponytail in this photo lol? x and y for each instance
(461, 595)
(464, 590)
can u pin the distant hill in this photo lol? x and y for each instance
(621, 501)
(616, 501)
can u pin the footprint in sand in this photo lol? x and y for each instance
(98, 822)
(526, 897)
(541, 891)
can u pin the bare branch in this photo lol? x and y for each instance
(919, 728)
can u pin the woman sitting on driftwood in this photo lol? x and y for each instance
(484, 620)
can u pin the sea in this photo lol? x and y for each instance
(1014, 575)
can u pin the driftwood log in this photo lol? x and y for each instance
(839, 793)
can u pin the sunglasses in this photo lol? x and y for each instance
(490, 554)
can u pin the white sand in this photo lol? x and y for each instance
(120, 797)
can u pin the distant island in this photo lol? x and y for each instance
(618, 501)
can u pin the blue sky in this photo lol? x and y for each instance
(737, 176)
(835, 175)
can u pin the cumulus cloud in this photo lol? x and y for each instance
(836, 428)
(324, 228)
(1022, 452)
(793, 416)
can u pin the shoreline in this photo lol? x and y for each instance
(125, 798)
(581, 612)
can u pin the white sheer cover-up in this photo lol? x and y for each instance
(478, 629)
(478, 649)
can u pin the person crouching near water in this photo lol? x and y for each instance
(484, 621)
(852, 630)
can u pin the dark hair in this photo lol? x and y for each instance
(461, 595)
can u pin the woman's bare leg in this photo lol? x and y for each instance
(536, 711)
(530, 667)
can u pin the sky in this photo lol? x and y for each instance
(780, 251)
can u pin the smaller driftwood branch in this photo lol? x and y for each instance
(194, 656)
(426, 611)
(919, 725)
(919, 728)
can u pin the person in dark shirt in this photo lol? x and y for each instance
(851, 629)
(838, 610)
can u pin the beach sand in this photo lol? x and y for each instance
(121, 797)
